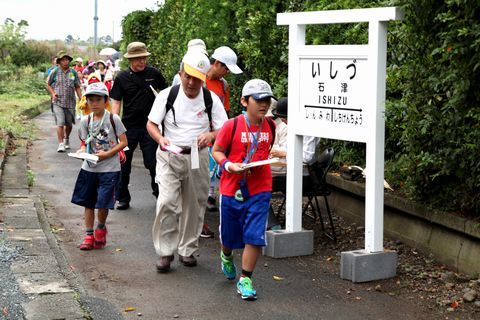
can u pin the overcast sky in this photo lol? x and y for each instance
(55, 19)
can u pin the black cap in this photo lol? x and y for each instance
(281, 110)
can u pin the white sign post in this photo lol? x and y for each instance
(338, 92)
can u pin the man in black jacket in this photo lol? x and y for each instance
(133, 87)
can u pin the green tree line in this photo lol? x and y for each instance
(432, 111)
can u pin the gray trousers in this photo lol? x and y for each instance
(181, 203)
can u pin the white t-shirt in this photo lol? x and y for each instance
(190, 116)
(310, 149)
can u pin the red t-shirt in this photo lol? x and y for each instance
(259, 179)
(221, 90)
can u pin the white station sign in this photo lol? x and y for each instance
(338, 92)
(333, 96)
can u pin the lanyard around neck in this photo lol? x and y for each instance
(251, 148)
(101, 121)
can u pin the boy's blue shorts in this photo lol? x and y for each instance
(96, 190)
(244, 222)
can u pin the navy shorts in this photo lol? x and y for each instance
(96, 190)
(244, 222)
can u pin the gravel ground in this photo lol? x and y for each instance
(10, 296)
(420, 279)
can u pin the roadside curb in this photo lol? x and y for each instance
(39, 268)
(3, 152)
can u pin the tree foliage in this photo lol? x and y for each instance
(433, 103)
(135, 26)
(436, 121)
(12, 36)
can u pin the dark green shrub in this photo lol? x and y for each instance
(31, 53)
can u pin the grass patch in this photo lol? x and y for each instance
(31, 177)
(22, 96)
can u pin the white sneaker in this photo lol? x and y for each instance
(66, 142)
(61, 147)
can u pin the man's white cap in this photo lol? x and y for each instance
(196, 64)
(79, 60)
(197, 44)
(228, 57)
(96, 89)
(258, 89)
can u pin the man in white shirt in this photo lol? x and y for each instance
(183, 175)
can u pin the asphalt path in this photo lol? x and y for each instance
(122, 276)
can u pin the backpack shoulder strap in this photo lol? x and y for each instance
(272, 129)
(75, 73)
(113, 124)
(172, 96)
(54, 75)
(234, 128)
(207, 99)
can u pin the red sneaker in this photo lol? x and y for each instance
(87, 243)
(100, 238)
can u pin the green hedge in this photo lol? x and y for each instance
(432, 109)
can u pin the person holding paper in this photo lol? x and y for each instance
(245, 192)
(102, 135)
(183, 128)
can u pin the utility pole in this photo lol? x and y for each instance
(95, 21)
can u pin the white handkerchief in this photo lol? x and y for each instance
(194, 155)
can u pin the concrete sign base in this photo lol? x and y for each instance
(363, 266)
(282, 244)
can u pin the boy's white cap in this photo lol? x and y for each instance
(96, 89)
(228, 57)
(258, 89)
(79, 60)
(196, 64)
(197, 44)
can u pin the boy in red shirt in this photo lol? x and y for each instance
(245, 193)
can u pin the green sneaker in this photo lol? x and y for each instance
(245, 289)
(228, 267)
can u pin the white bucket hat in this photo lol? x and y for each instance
(197, 44)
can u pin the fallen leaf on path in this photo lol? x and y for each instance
(119, 250)
(454, 304)
(129, 309)
(329, 258)
(278, 278)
